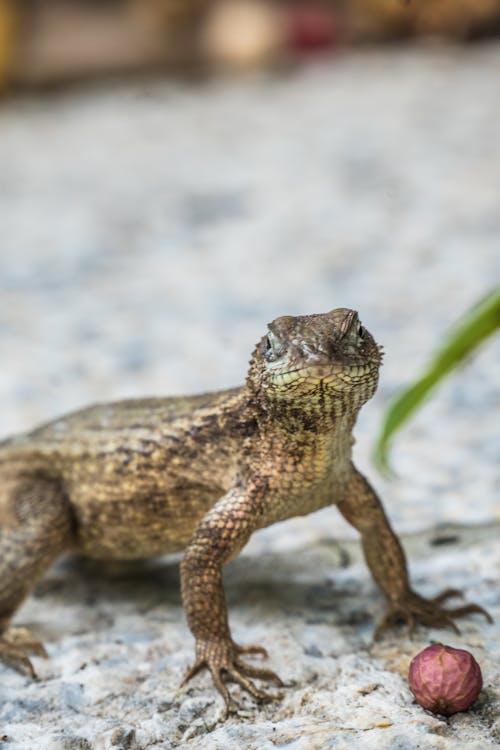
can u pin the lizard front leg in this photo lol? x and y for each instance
(218, 538)
(35, 528)
(386, 560)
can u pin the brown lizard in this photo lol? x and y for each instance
(140, 478)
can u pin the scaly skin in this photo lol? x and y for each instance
(142, 478)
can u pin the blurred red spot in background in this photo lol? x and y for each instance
(311, 28)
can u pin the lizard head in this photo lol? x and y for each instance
(328, 355)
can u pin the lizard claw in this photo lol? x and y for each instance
(15, 645)
(221, 659)
(415, 609)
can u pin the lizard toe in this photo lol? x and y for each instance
(193, 671)
(229, 704)
(251, 649)
(16, 644)
(414, 609)
(441, 619)
(23, 639)
(470, 609)
(17, 659)
(388, 621)
(221, 659)
(447, 594)
(237, 675)
(259, 673)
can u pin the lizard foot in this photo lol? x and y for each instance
(15, 645)
(221, 657)
(415, 609)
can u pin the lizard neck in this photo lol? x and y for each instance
(308, 447)
(305, 418)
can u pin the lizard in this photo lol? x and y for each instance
(143, 477)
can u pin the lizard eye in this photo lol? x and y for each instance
(273, 347)
(361, 331)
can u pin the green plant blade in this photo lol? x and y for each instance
(481, 321)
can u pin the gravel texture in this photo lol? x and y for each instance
(147, 234)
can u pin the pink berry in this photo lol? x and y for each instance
(444, 679)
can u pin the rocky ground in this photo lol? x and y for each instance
(147, 234)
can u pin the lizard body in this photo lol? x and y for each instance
(144, 477)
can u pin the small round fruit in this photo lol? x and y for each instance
(444, 679)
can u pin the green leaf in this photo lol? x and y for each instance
(478, 323)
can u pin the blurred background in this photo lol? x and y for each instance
(176, 173)
(44, 42)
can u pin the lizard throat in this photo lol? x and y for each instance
(311, 400)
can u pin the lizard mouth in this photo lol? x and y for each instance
(334, 376)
